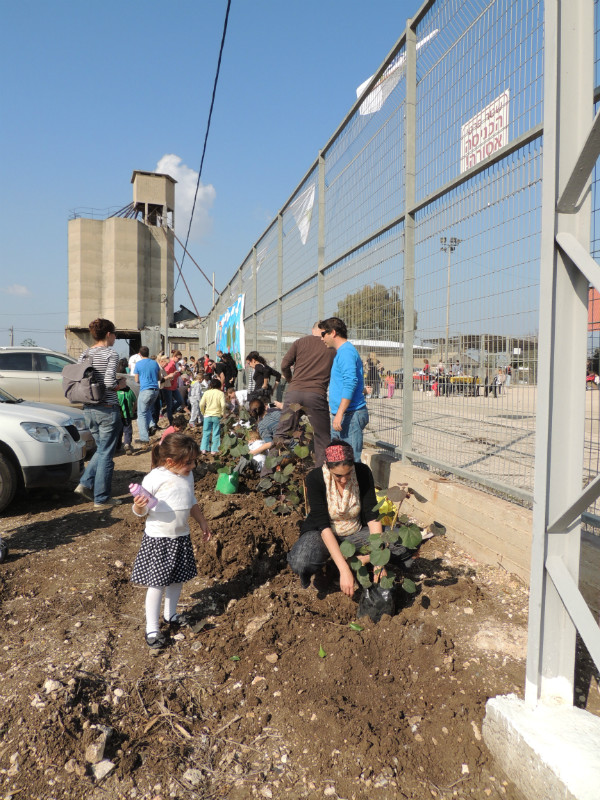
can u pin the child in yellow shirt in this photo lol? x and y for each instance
(212, 407)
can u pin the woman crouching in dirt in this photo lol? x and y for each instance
(341, 497)
(266, 419)
(166, 558)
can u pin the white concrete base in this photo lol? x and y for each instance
(548, 752)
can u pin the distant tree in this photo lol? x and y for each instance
(374, 312)
(28, 343)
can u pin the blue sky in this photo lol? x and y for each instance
(93, 91)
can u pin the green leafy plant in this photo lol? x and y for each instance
(282, 477)
(233, 442)
(378, 552)
(322, 653)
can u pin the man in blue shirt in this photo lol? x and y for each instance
(146, 372)
(346, 386)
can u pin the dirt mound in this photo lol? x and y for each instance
(269, 692)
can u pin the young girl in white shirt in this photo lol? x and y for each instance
(166, 558)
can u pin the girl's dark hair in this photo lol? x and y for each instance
(176, 446)
(264, 395)
(215, 383)
(257, 408)
(179, 421)
(346, 462)
(100, 328)
(253, 355)
(122, 365)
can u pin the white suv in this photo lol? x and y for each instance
(39, 446)
(34, 373)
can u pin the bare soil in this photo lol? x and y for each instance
(241, 704)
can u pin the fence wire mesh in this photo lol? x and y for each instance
(340, 246)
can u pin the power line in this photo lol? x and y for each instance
(34, 314)
(212, 103)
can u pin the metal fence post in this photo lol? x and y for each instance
(409, 240)
(321, 241)
(568, 92)
(278, 352)
(254, 299)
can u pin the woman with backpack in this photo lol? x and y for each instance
(103, 418)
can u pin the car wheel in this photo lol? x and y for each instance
(8, 482)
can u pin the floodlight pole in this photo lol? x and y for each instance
(448, 246)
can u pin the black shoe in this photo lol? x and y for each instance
(156, 640)
(178, 621)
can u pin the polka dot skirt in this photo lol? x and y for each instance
(162, 561)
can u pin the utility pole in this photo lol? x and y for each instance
(448, 246)
(12, 335)
(165, 300)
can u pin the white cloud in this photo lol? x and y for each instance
(16, 289)
(185, 189)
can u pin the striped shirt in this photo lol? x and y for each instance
(105, 361)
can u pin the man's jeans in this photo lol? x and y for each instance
(105, 424)
(353, 424)
(146, 401)
(317, 412)
(167, 397)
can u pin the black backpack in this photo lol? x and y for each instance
(79, 385)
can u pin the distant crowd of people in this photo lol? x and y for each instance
(380, 384)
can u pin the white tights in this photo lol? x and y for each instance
(153, 601)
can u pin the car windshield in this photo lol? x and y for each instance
(5, 397)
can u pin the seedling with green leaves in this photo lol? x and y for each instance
(285, 466)
(233, 442)
(378, 552)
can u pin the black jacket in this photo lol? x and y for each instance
(262, 371)
(318, 517)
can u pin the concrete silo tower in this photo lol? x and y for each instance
(121, 267)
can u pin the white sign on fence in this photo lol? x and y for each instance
(485, 133)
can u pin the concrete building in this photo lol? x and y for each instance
(122, 267)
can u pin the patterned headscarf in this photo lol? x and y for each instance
(339, 452)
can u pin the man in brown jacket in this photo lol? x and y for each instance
(308, 384)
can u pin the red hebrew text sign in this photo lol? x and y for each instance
(485, 133)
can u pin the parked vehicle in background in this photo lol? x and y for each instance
(35, 374)
(39, 446)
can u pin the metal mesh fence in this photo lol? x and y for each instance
(365, 169)
(421, 216)
(472, 55)
(299, 230)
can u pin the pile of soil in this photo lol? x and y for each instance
(243, 703)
